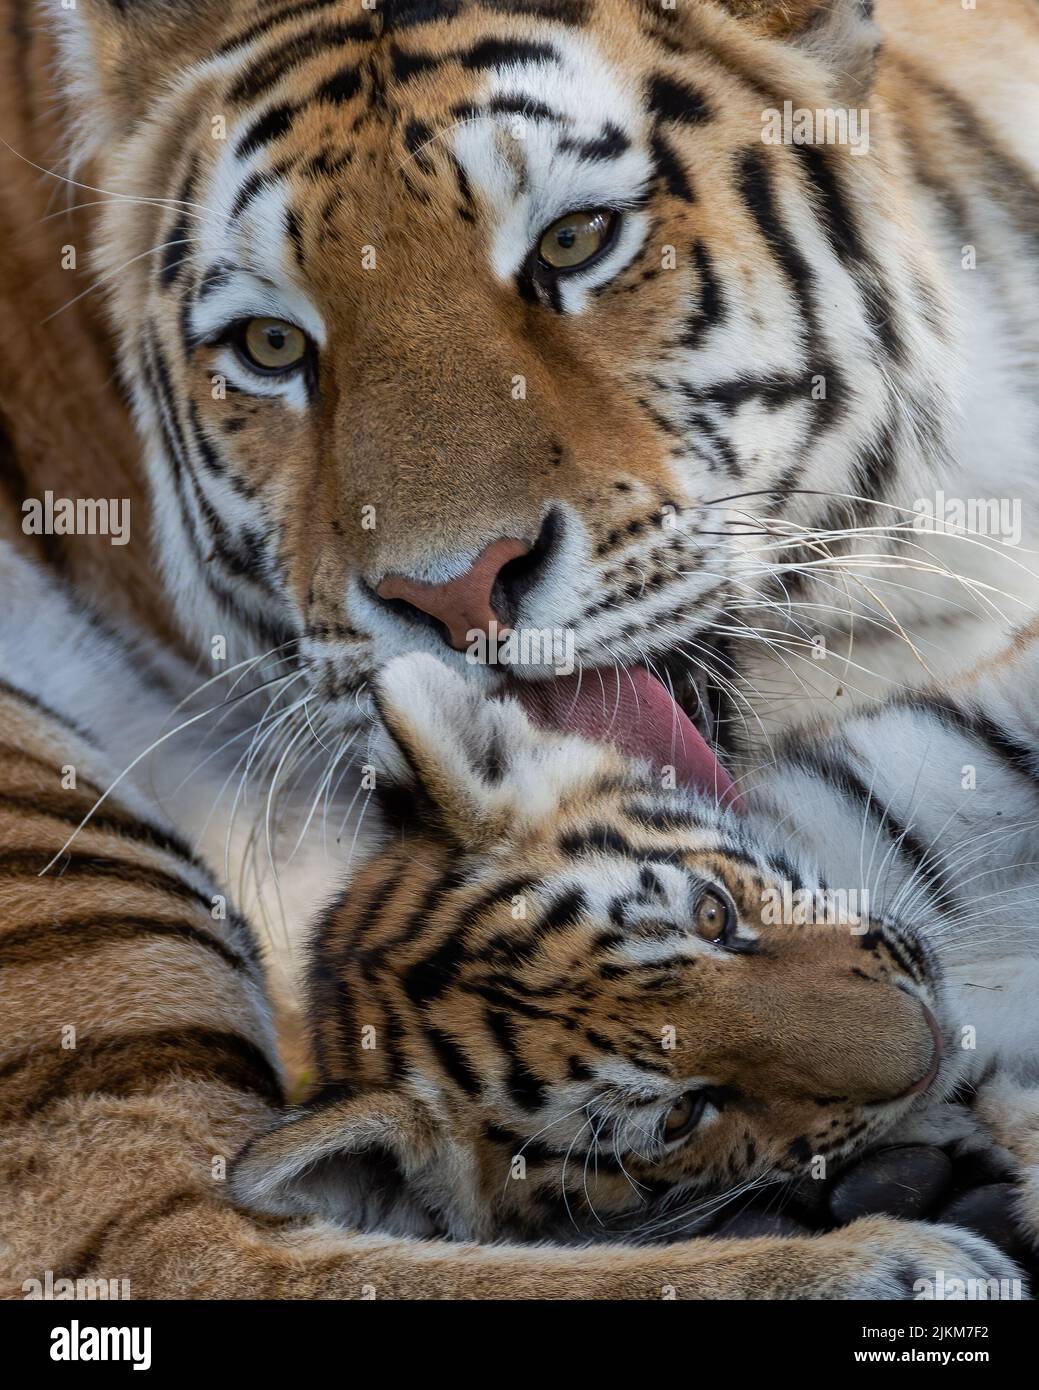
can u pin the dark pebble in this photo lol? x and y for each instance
(987, 1211)
(906, 1181)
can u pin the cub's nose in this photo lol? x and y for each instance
(474, 600)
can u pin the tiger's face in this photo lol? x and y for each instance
(557, 1003)
(444, 316)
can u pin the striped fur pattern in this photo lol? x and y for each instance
(523, 965)
(250, 158)
(775, 330)
(136, 1058)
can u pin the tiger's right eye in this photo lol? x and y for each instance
(272, 346)
(576, 239)
(714, 918)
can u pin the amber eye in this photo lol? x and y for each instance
(684, 1115)
(272, 345)
(576, 239)
(714, 918)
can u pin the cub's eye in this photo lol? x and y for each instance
(271, 345)
(714, 919)
(576, 239)
(684, 1115)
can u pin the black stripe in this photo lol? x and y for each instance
(669, 169)
(1005, 178)
(84, 1259)
(526, 1088)
(29, 863)
(35, 703)
(404, 65)
(404, 14)
(156, 376)
(214, 278)
(453, 1060)
(755, 188)
(926, 864)
(429, 977)
(607, 839)
(179, 241)
(277, 62)
(711, 303)
(611, 144)
(272, 21)
(973, 723)
(872, 476)
(572, 12)
(773, 391)
(1018, 756)
(500, 52)
(520, 105)
(134, 829)
(250, 189)
(131, 1063)
(242, 555)
(842, 233)
(272, 125)
(28, 944)
(340, 88)
(535, 1151)
(671, 100)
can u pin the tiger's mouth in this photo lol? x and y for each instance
(670, 722)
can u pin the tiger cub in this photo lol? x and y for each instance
(137, 1057)
(564, 1002)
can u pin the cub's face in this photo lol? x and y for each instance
(563, 1002)
(494, 317)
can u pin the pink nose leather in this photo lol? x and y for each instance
(463, 604)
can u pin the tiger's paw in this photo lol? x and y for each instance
(909, 1260)
(1010, 1110)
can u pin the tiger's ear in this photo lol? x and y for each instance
(359, 1160)
(840, 35)
(119, 55)
(474, 766)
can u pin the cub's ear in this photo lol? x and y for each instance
(840, 35)
(118, 56)
(473, 765)
(358, 1160)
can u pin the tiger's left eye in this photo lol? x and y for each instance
(576, 239)
(684, 1115)
(714, 918)
(272, 345)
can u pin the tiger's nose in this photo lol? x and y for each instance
(477, 598)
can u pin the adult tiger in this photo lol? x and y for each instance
(438, 315)
(433, 315)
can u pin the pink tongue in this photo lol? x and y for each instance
(632, 710)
